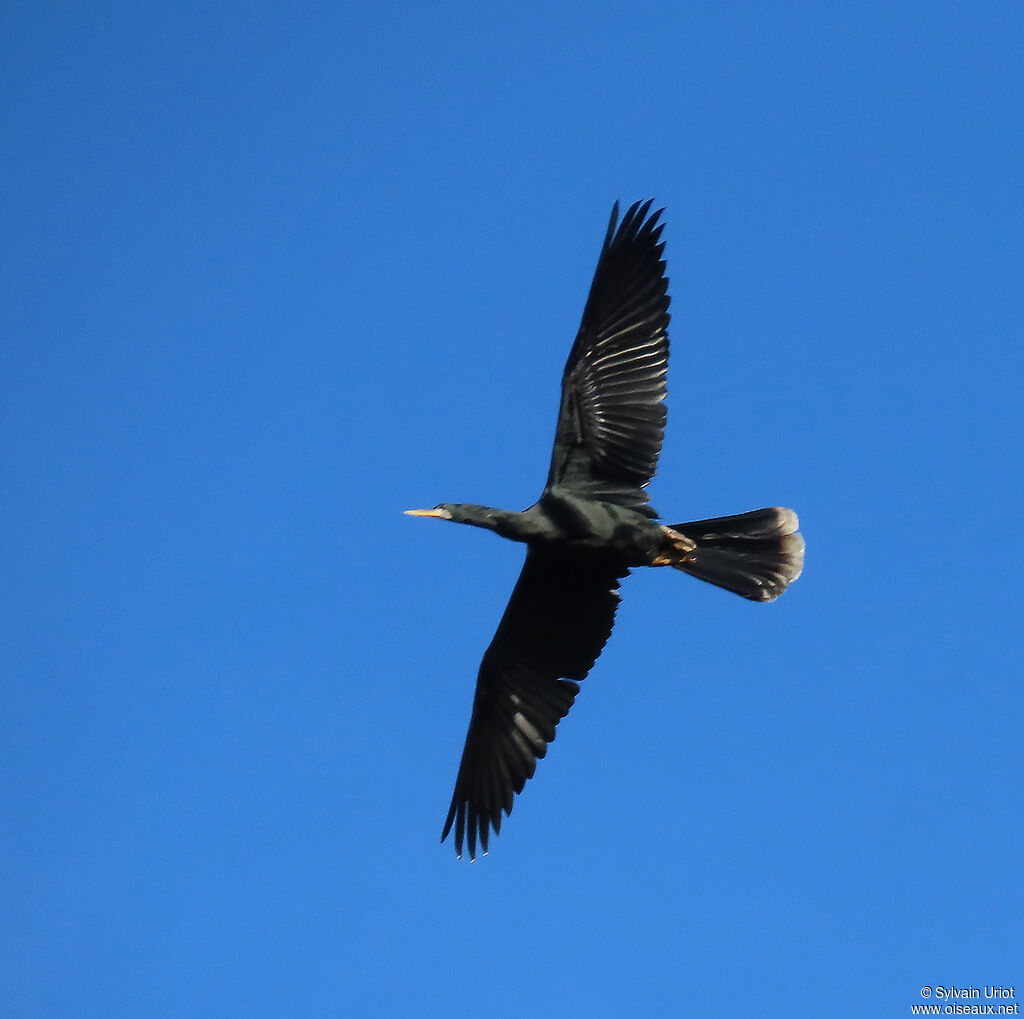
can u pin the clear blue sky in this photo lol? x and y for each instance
(273, 274)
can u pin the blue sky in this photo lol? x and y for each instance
(273, 274)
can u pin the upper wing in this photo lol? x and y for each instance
(612, 418)
(556, 623)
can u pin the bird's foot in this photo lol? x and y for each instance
(676, 549)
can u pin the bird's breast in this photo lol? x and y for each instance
(599, 527)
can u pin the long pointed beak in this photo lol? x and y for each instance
(441, 514)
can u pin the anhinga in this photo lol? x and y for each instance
(591, 525)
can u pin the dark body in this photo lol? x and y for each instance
(591, 525)
(565, 522)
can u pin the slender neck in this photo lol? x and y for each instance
(504, 522)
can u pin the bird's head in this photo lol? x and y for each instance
(443, 511)
(470, 513)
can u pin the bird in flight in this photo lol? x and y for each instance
(591, 525)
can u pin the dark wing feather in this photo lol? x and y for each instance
(556, 623)
(612, 417)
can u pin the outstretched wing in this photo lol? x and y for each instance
(612, 417)
(556, 623)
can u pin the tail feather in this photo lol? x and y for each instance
(756, 554)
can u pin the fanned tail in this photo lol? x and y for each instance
(756, 554)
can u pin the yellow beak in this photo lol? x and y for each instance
(428, 513)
